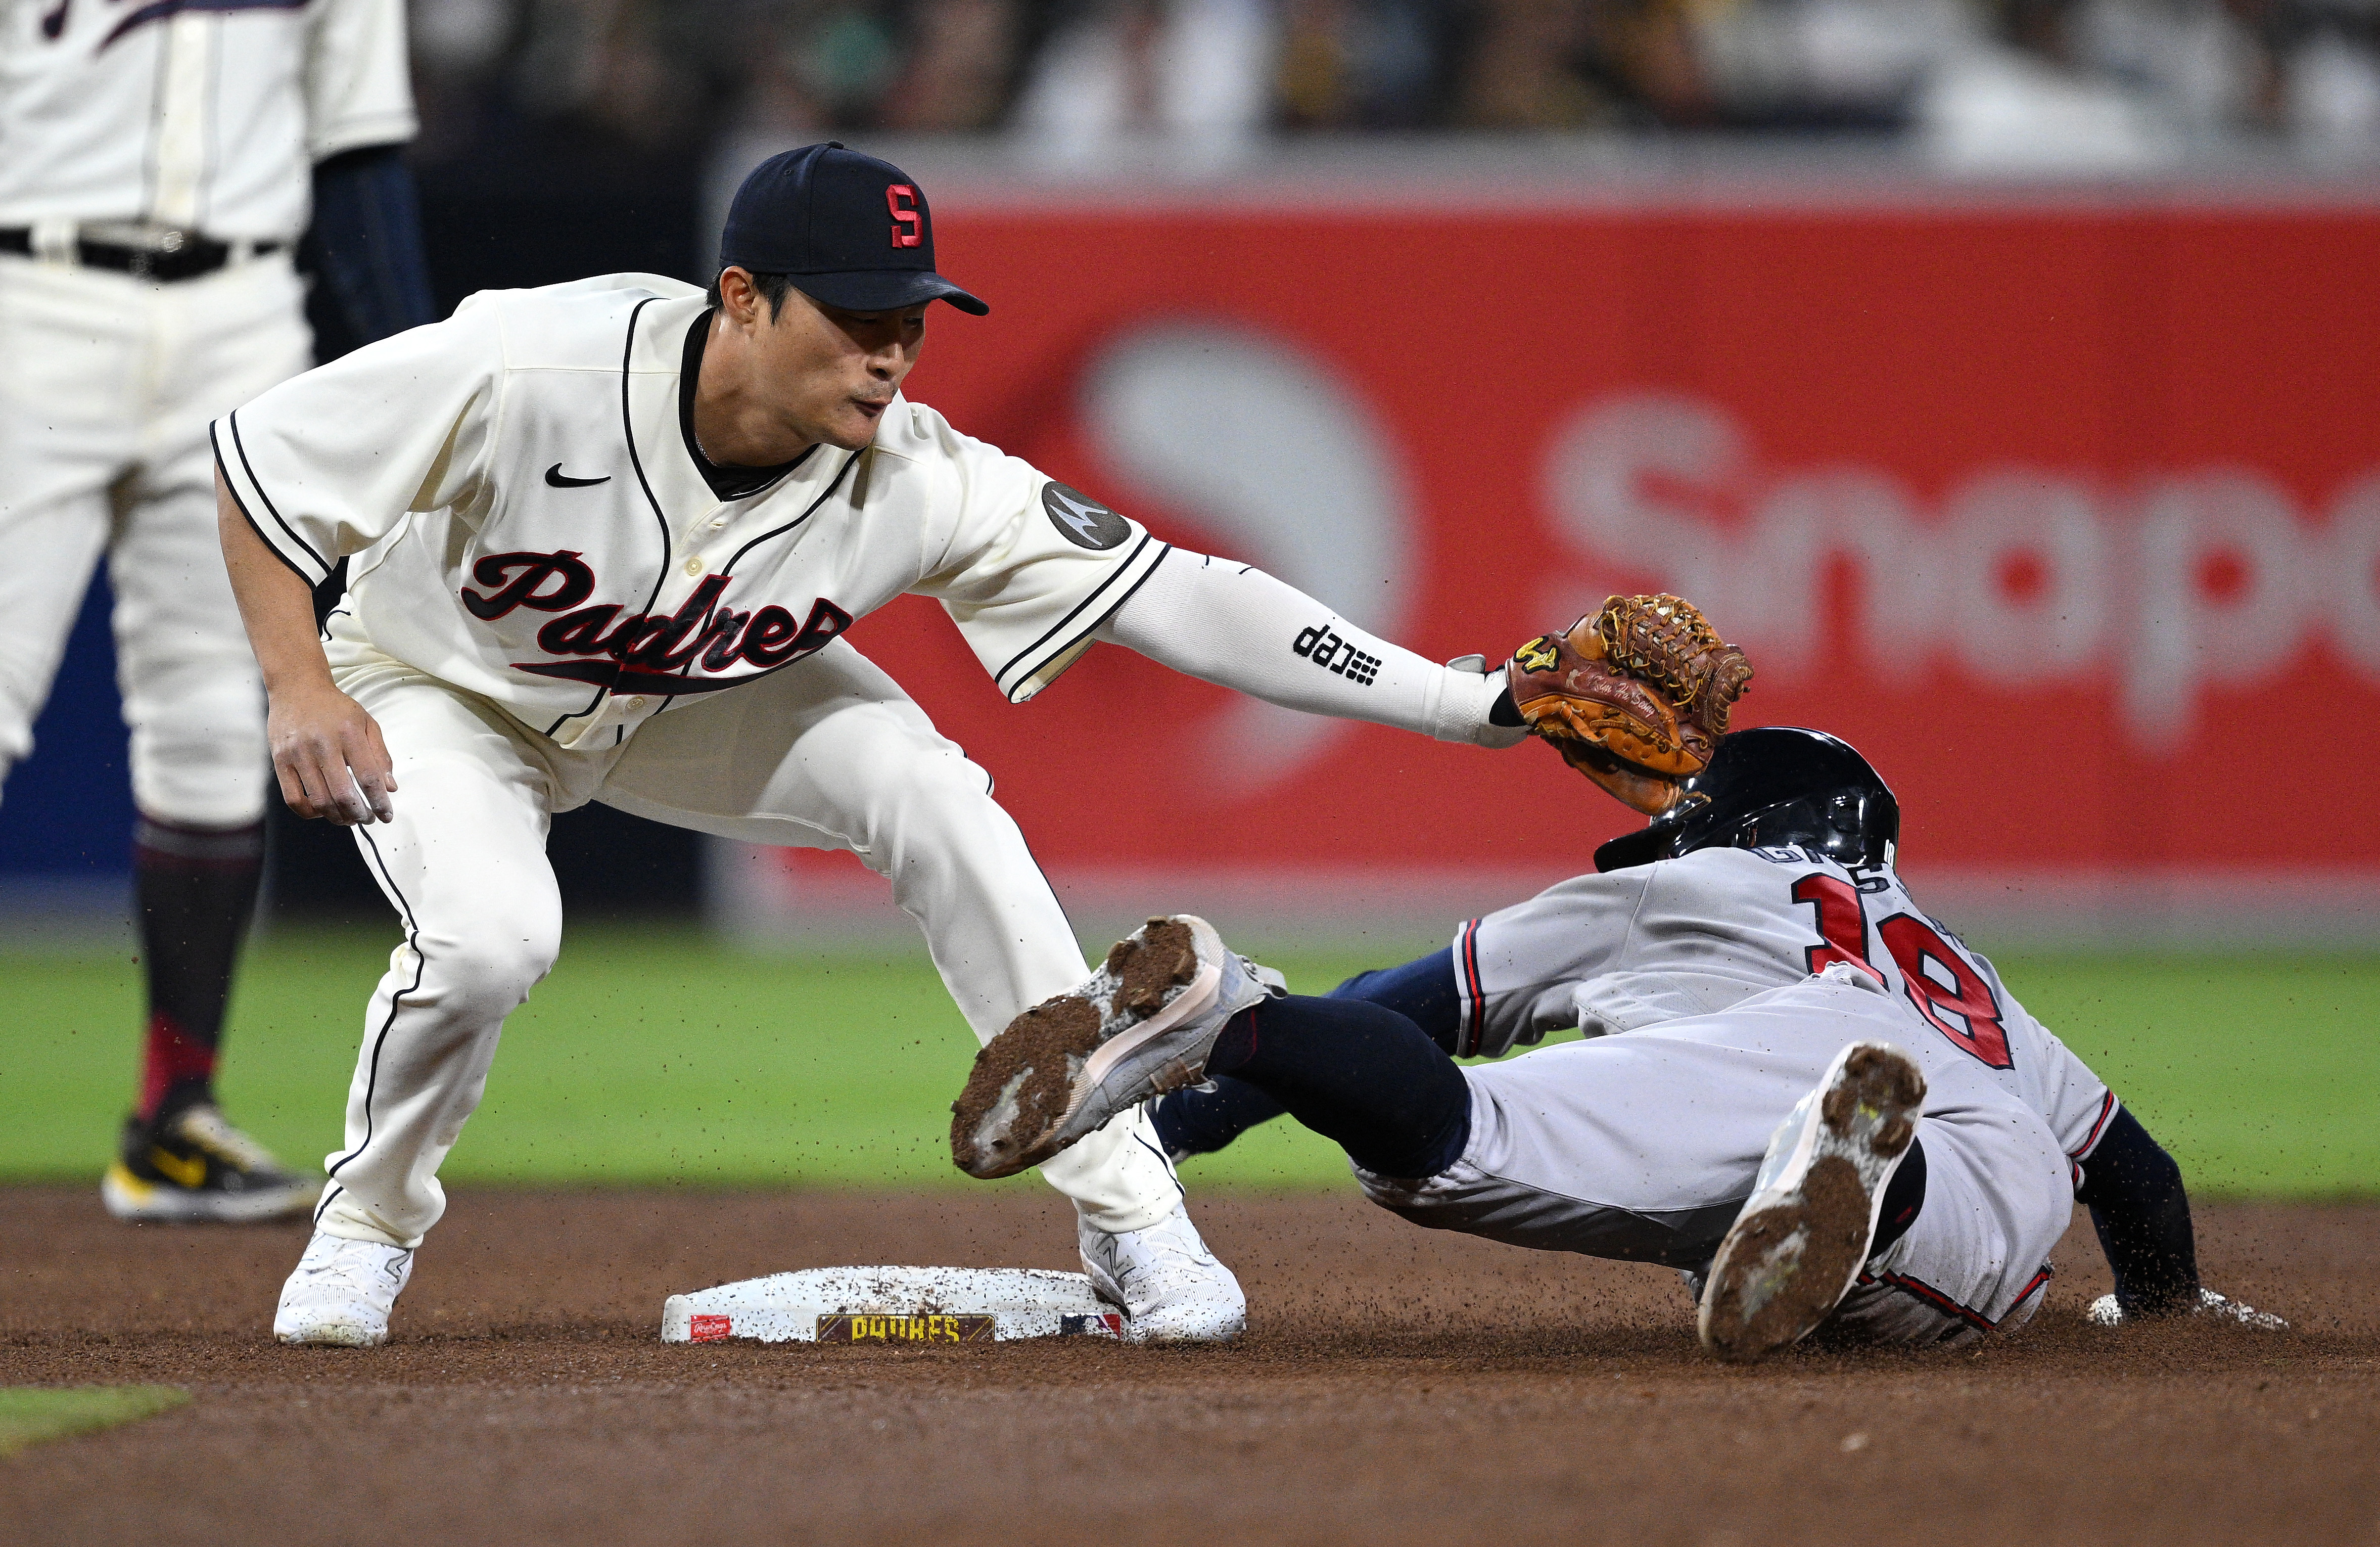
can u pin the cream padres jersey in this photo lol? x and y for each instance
(528, 524)
(1694, 936)
(206, 115)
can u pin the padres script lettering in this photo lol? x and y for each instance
(644, 651)
(904, 1329)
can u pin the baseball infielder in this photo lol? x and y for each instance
(155, 163)
(605, 539)
(1750, 956)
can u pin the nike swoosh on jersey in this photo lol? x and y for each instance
(560, 479)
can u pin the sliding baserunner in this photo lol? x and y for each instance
(606, 539)
(1795, 1087)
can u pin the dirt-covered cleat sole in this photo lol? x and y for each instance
(1804, 1235)
(1142, 1025)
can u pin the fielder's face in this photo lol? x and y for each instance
(829, 375)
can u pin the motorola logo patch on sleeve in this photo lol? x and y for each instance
(1085, 521)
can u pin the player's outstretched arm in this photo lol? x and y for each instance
(1239, 628)
(2133, 1189)
(2141, 1212)
(2137, 1203)
(326, 751)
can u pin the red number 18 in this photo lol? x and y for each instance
(1967, 1011)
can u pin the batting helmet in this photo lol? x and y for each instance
(1767, 788)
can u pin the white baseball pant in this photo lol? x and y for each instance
(1643, 1145)
(828, 753)
(108, 385)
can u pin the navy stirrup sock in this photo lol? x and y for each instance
(1357, 1073)
(1200, 1122)
(196, 888)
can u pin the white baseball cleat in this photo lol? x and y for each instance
(341, 1292)
(1144, 1024)
(1169, 1285)
(1804, 1233)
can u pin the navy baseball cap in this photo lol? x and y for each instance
(852, 231)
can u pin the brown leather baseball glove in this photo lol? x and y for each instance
(1635, 697)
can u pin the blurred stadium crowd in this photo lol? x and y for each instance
(2110, 81)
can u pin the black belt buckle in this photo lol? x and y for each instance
(183, 255)
(189, 258)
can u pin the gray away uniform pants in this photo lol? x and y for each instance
(1643, 1146)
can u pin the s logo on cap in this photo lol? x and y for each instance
(908, 223)
(820, 213)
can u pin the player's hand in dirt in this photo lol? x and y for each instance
(2105, 1312)
(329, 756)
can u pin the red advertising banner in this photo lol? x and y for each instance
(2069, 518)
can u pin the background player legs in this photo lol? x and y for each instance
(90, 459)
(833, 754)
(193, 698)
(65, 439)
(195, 709)
(194, 705)
(463, 865)
(193, 702)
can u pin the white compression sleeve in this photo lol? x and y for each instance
(1237, 627)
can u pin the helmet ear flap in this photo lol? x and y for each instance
(1882, 823)
(1629, 849)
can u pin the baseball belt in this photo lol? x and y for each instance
(146, 252)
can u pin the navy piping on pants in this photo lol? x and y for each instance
(395, 1003)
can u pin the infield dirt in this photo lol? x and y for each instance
(1397, 1385)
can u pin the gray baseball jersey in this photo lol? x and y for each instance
(1697, 935)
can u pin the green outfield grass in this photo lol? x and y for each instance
(30, 1414)
(660, 1057)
